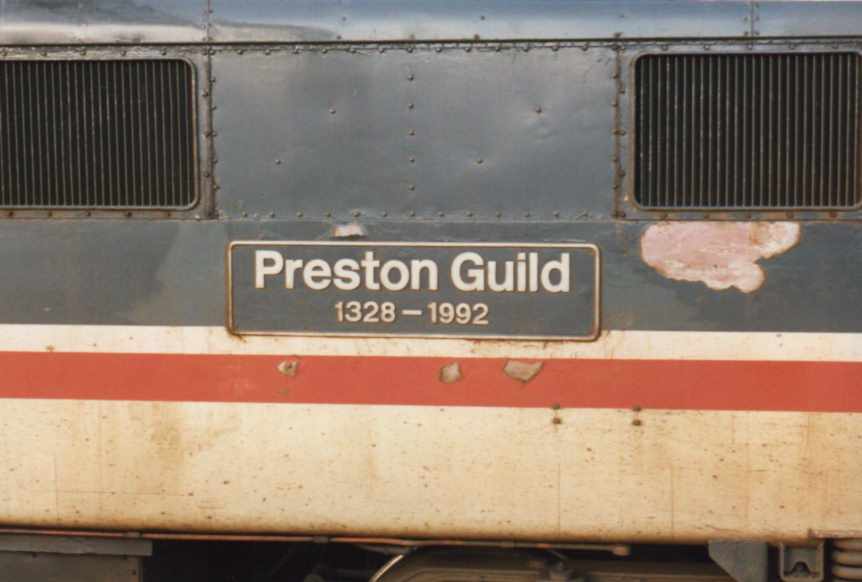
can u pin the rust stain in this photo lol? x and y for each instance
(450, 373)
(720, 255)
(288, 367)
(522, 371)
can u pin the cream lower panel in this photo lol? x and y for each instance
(424, 471)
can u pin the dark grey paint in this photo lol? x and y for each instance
(454, 132)
(172, 273)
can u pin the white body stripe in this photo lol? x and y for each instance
(646, 345)
(501, 473)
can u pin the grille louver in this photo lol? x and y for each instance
(97, 134)
(766, 131)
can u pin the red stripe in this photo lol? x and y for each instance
(705, 385)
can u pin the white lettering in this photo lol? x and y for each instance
(562, 267)
(475, 275)
(291, 266)
(266, 263)
(347, 274)
(317, 275)
(369, 263)
(416, 268)
(403, 275)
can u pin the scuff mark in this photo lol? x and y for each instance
(719, 254)
(450, 373)
(522, 371)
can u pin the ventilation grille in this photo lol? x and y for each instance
(747, 131)
(96, 134)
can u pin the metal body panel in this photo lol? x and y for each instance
(172, 273)
(391, 20)
(427, 132)
(798, 18)
(102, 21)
(710, 407)
(678, 476)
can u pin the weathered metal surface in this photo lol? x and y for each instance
(102, 21)
(801, 18)
(73, 545)
(423, 471)
(177, 275)
(120, 318)
(391, 20)
(27, 567)
(743, 561)
(414, 132)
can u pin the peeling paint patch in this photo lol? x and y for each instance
(522, 371)
(450, 373)
(719, 254)
(351, 230)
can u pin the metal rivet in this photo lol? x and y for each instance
(412, 159)
(327, 214)
(267, 52)
(411, 106)
(499, 214)
(441, 214)
(469, 213)
(355, 213)
(411, 132)
(556, 213)
(299, 214)
(245, 214)
(324, 50)
(332, 110)
(480, 161)
(411, 187)
(277, 162)
(272, 214)
(240, 51)
(412, 213)
(539, 110)
(527, 215)
(439, 49)
(410, 77)
(384, 214)
(381, 50)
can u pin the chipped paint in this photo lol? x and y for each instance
(450, 373)
(522, 371)
(288, 367)
(352, 230)
(719, 254)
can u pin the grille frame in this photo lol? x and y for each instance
(202, 203)
(625, 164)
